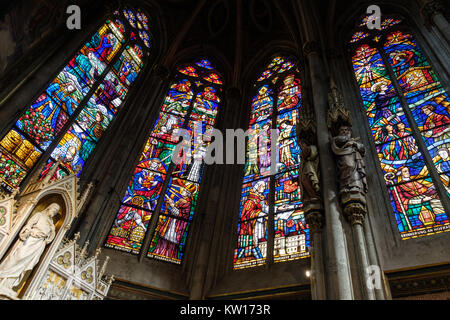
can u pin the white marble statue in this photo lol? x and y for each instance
(34, 237)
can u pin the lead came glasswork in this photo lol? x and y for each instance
(184, 107)
(291, 237)
(418, 210)
(40, 126)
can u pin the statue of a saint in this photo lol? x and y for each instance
(309, 178)
(352, 173)
(33, 238)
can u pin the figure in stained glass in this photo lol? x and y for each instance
(290, 93)
(414, 195)
(420, 198)
(145, 187)
(437, 125)
(289, 150)
(252, 229)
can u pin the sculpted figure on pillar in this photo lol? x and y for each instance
(26, 252)
(309, 170)
(351, 168)
(349, 152)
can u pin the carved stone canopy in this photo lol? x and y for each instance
(338, 114)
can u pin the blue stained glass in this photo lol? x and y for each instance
(127, 68)
(431, 114)
(43, 121)
(291, 235)
(67, 91)
(104, 44)
(418, 210)
(156, 155)
(144, 189)
(180, 199)
(94, 120)
(74, 149)
(440, 156)
(417, 206)
(205, 64)
(287, 191)
(287, 123)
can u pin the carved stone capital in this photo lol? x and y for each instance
(315, 220)
(311, 47)
(430, 9)
(355, 212)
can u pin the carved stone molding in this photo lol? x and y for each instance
(306, 123)
(430, 9)
(309, 179)
(311, 47)
(355, 212)
(315, 220)
(426, 281)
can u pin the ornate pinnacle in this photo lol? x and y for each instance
(83, 252)
(102, 271)
(338, 114)
(76, 237)
(306, 124)
(85, 194)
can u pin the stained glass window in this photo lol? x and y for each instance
(84, 97)
(408, 112)
(272, 194)
(163, 191)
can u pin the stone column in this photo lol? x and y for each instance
(337, 269)
(318, 287)
(356, 218)
(432, 13)
(349, 154)
(336, 262)
(310, 191)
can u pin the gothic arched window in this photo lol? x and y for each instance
(272, 195)
(162, 194)
(408, 113)
(69, 117)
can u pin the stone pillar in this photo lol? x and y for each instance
(310, 191)
(349, 154)
(336, 261)
(356, 218)
(337, 269)
(318, 287)
(432, 13)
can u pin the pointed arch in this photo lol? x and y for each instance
(162, 194)
(408, 112)
(70, 116)
(271, 194)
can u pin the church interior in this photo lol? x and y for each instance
(343, 193)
